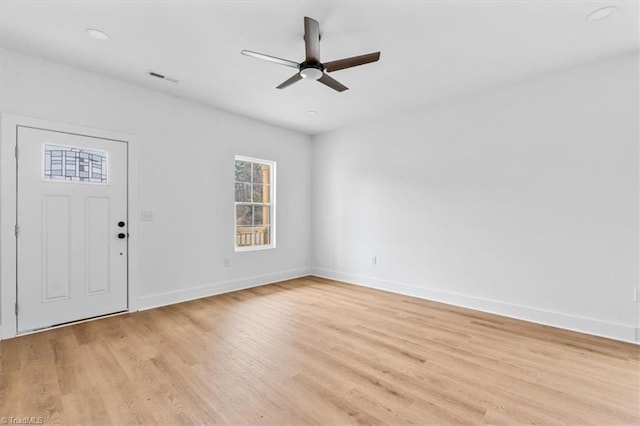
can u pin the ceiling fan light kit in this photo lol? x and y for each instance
(311, 72)
(311, 68)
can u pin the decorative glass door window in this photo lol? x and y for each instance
(68, 164)
(254, 203)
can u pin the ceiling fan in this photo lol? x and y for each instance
(311, 68)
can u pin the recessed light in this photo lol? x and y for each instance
(97, 34)
(601, 13)
(312, 112)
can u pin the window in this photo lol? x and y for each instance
(255, 204)
(67, 164)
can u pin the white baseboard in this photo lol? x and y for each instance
(592, 326)
(183, 295)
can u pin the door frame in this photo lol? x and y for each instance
(8, 207)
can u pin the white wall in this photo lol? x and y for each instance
(186, 171)
(523, 201)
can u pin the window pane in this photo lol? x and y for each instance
(244, 236)
(257, 215)
(243, 171)
(243, 192)
(261, 235)
(260, 173)
(244, 215)
(261, 193)
(261, 215)
(67, 164)
(247, 236)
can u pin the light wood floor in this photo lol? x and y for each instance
(313, 351)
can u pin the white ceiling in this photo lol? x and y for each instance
(431, 50)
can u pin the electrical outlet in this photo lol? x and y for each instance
(147, 216)
(374, 260)
(227, 263)
(636, 295)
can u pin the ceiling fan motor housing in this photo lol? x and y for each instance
(311, 70)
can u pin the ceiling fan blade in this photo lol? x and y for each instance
(333, 83)
(289, 82)
(271, 59)
(312, 39)
(354, 61)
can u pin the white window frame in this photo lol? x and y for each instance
(272, 204)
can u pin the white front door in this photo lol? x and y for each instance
(72, 227)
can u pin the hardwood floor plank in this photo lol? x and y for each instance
(315, 351)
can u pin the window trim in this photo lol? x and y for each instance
(272, 204)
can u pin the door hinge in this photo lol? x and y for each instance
(16, 230)
(16, 308)
(15, 151)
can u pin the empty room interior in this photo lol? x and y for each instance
(319, 212)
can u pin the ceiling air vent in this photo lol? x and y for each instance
(162, 77)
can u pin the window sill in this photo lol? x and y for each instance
(254, 248)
